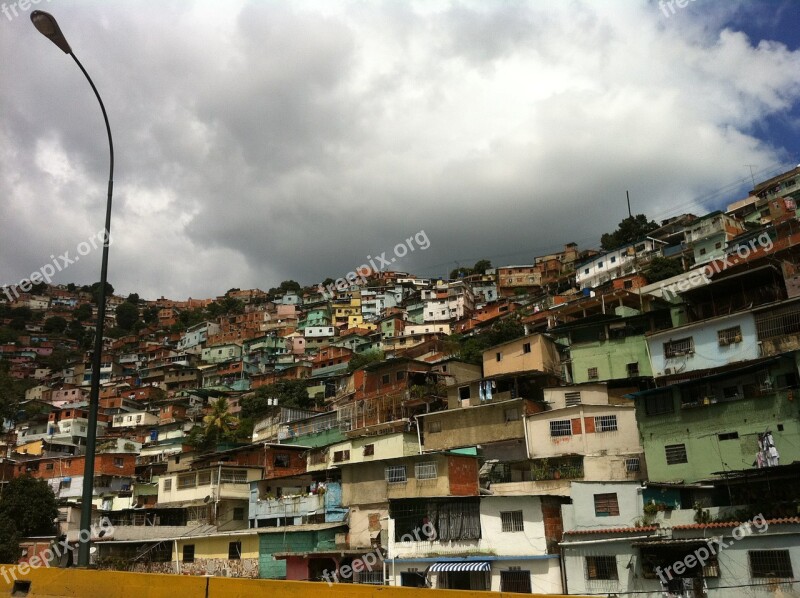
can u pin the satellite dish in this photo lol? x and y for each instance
(207, 499)
(93, 549)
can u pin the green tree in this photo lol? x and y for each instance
(459, 272)
(133, 298)
(55, 324)
(71, 287)
(126, 315)
(630, 229)
(359, 360)
(481, 266)
(83, 312)
(27, 508)
(150, 315)
(218, 426)
(95, 291)
(661, 268)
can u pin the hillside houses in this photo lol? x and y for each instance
(566, 425)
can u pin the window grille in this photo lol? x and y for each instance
(729, 336)
(682, 346)
(572, 398)
(561, 427)
(188, 480)
(425, 470)
(770, 563)
(601, 567)
(188, 553)
(511, 521)
(518, 582)
(234, 551)
(632, 464)
(593, 374)
(605, 423)
(234, 476)
(396, 474)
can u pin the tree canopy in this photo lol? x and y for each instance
(127, 315)
(480, 267)
(630, 229)
(661, 268)
(27, 508)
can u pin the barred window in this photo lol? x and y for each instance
(425, 470)
(511, 521)
(234, 551)
(676, 454)
(633, 369)
(682, 346)
(729, 336)
(516, 581)
(572, 398)
(770, 563)
(659, 404)
(234, 476)
(632, 464)
(369, 450)
(434, 427)
(167, 484)
(605, 423)
(187, 480)
(188, 553)
(396, 474)
(561, 427)
(592, 373)
(204, 478)
(601, 567)
(606, 505)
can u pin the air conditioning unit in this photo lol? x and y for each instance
(667, 371)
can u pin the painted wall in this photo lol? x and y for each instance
(610, 357)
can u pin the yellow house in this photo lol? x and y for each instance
(533, 353)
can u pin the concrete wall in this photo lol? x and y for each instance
(471, 426)
(543, 357)
(610, 357)
(581, 514)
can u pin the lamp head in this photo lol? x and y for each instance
(48, 26)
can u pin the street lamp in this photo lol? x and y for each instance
(47, 26)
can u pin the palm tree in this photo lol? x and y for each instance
(219, 422)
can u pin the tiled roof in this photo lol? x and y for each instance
(719, 524)
(614, 530)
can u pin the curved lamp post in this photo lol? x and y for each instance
(46, 24)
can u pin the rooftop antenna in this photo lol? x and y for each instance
(752, 176)
(628, 195)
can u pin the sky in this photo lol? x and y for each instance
(259, 141)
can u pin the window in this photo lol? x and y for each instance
(601, 567)
(729, 336)
(770, 563)
(515, 581)
(606, 505)
(234, 476)
(434, 427)
(682, 346)
(463, 393)
(498, 356)
(728, 436)
(119, 462)
(188, 553)
(572, 398)
(526, 348)
(402, 375)
(659, 404)
(281, 460)
(599, 264)
(703, 251)
(718, 245)
(385, 379)
(633, 369)
(511, 414)
(339, 456)
(238, 514)
(234, 551)
(187, 480)
(396, 474)
(369, 450)
(592, 374)
(425, 470)
(48, 466)
(605, 423)
(204, 478)
(675, 453)
(561, 427)
(511, 521)
(167, 485)
(632, 464)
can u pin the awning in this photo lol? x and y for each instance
(475, 566)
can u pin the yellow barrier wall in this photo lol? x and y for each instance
(82, 583)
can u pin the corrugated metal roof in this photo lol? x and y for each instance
(614, 530)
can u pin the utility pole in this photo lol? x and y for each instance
(628, 195)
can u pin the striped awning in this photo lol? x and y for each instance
(474, 566)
